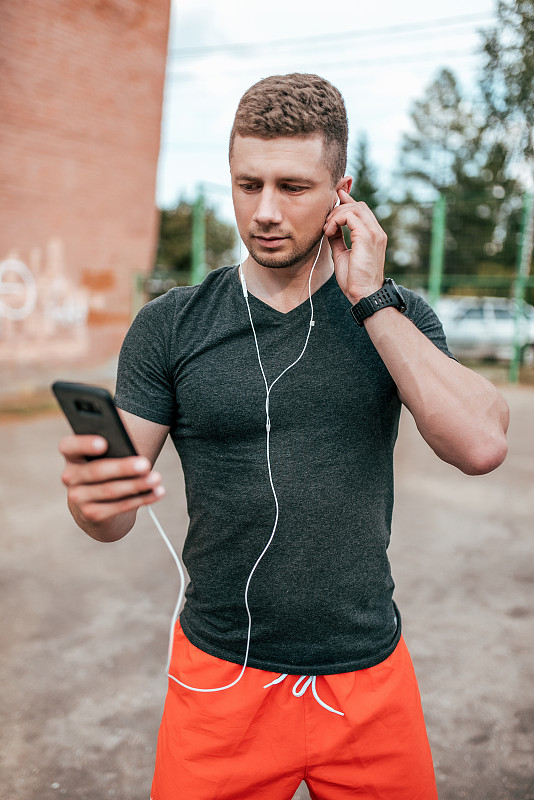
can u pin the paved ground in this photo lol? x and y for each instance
(84, 625)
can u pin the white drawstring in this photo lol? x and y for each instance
(298, 691)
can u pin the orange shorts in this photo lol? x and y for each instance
(256, 743)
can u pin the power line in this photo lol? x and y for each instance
(350, 62)
(237, 48)
(401, 58)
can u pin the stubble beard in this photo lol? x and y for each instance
(275, 261)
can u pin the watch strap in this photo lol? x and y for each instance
(388, 296)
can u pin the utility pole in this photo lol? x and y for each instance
(524, 258)
(198, 240)
(437, 250)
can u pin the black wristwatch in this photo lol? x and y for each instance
(388, 295)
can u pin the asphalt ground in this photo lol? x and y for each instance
(85, 625)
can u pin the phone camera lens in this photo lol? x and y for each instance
(86, 407)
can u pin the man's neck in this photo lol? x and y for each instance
(285, 288)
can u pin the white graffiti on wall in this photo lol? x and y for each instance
(18, 291)
(43, 308)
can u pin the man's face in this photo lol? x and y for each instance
(282, 192)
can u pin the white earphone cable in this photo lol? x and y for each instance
(268, 390)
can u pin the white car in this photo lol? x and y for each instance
(484, 328)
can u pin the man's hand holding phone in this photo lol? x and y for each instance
(104, 493)
(106, 480)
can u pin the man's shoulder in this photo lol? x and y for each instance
(179, 297)
(217, 290)
(218, 280)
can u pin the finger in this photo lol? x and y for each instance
(100, 512)
(361, 212)
(337, 243)
(77, 448)
(339, 216)
(345, 197)
(111, 491)
(105, 469)
(361, 222)
(364, 213)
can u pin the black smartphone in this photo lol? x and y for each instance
(91, 410)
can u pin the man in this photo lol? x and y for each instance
(288, 660)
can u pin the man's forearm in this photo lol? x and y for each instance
(458, 412)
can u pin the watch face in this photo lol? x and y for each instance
(397, 292)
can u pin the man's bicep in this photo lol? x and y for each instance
(148, 437)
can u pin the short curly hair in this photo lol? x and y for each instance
(297, 104)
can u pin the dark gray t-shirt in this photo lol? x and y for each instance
(321, 598)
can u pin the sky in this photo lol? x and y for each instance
(381, 56)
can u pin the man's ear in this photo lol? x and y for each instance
(345, 184)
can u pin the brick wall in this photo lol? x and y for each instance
(81, 88)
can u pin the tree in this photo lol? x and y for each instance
(445, 146)
(508, 85)
(507, 79)
(449, 153)
(364, 186)
(174, 249)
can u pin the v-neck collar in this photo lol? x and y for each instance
(296, 312)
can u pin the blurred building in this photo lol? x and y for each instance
(81, 96)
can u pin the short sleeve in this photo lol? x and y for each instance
(425, 318)
(144, 381)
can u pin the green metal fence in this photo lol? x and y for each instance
(458, 245)
(465, 245)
